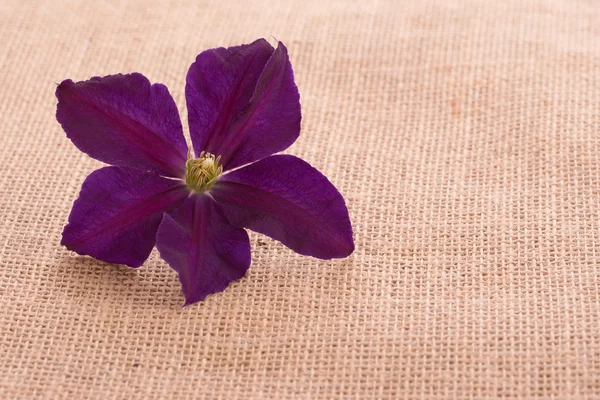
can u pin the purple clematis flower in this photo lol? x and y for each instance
(243, 107)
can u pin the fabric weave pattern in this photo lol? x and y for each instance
(464, 136)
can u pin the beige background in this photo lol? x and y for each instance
(465, 137)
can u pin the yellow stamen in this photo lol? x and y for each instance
(201, 173)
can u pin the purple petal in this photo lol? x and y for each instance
(219, 85)
(243, 103)
(124, 120)
(285, 198)
(118, 212)
(206, 251)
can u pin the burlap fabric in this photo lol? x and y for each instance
(464, 136)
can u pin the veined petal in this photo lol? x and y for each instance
(219, 84)
(285, 198)
(206, 251)
(123, 120)
(118, 212)
(243, 103)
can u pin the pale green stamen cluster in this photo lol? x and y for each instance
(201, 173)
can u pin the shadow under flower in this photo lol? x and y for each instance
(155, 286)
(91, 281)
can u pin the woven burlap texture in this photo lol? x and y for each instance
(464, 136)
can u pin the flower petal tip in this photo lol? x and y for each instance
(63, 85)
(207, 253)
(72, 247)
(191, 300)
(346, 251)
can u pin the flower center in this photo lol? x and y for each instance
(201, 173)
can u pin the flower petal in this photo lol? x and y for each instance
(124, 120)
(243, 103)
(206, 251)
(285, 198)
(118, 212)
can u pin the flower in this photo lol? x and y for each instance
(243, 107)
